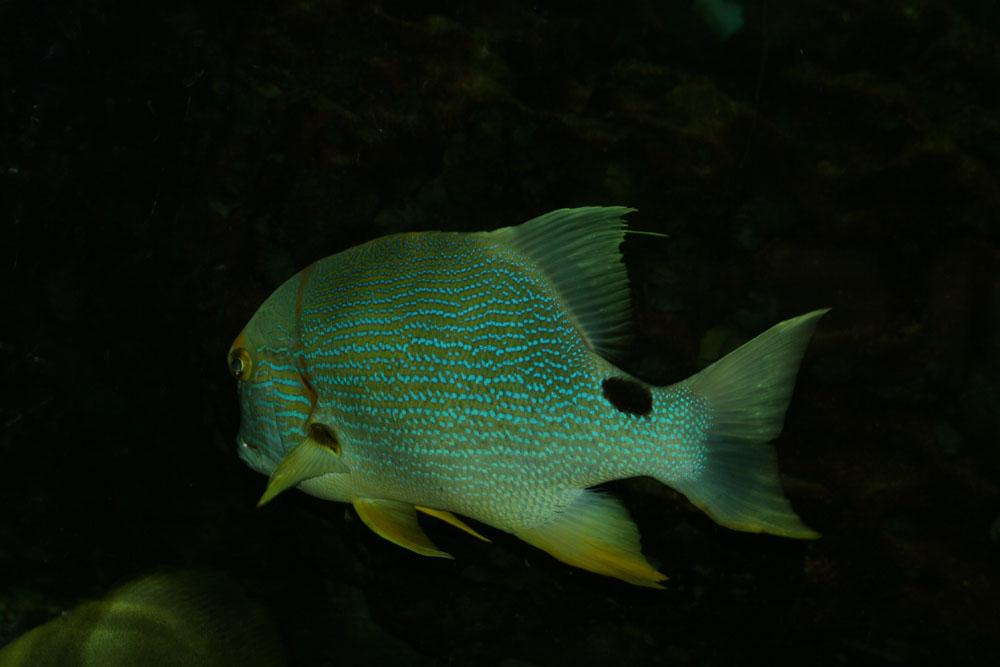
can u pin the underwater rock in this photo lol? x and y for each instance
(197, 619)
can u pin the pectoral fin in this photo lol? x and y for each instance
(595, 533)
(318, 454)
(448, 517)
(397, 522)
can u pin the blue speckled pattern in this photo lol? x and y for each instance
(456, 379)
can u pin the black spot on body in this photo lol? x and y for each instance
(628, 396)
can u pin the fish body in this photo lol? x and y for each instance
(472, 373)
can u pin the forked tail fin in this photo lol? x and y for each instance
(748, 392)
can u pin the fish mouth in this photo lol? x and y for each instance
(251, 455)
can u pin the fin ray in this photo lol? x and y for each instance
(448, 517)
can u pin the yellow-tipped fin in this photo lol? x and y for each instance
(317, 454)
(595, 533)
(448, 517)
(397, 522)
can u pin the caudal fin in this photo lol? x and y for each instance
(748, 392)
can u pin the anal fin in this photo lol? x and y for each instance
(448, 517)
(397, 522)
(595, 533)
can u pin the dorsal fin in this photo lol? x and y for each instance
(577, 249)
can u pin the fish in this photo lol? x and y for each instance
(189, 617)
(473, 374)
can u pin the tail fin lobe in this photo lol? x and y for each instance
(748, 391)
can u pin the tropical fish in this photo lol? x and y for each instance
(197, 619)
(472, 373)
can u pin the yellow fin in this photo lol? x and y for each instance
(595, 533)
(397, 522)
(448, 517)
(313, 457)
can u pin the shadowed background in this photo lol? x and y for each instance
(165, 165)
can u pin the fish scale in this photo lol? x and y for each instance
(472, 373)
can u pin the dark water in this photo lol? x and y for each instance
(165, 165)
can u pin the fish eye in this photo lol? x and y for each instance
(240, 364)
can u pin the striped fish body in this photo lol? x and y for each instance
(471, 374)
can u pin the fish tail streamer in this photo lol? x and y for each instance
(747, 393)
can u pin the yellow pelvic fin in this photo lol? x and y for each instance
(312, 457)
(448, 517)
(397, 522)
(595, 533)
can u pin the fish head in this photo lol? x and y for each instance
(276, 400)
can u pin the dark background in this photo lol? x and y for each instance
(165, 165)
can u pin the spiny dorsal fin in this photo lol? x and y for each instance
(577, 249)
